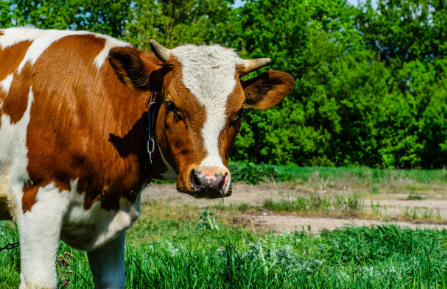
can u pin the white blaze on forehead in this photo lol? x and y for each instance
(42, 39)
(209, 73)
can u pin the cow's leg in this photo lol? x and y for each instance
(39, 232)
(107, 263)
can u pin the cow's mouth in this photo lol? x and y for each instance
(206, 193)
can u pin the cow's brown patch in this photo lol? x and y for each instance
(16, 101)
(29, 197)
(234, 106)
(11, 57)
(87, 126)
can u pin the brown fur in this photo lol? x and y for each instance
(86, 126)
(10, 58)
(267, 89)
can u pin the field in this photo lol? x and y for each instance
(270, 235)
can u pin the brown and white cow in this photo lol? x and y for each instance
(73, 150)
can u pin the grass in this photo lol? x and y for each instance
(414, 179)
(185, 247)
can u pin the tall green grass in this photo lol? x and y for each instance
(196, 254)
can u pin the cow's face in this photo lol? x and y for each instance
(200, 106)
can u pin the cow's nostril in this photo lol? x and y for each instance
(223, 182)
(194, 180)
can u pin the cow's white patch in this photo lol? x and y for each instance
(170, 174)
(6, 83)
(13, 156)
(4, 180)
(209, 73)
(110, 43)
(90, 229)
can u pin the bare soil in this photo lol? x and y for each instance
(391, 205)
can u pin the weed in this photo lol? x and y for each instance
(377, 210)
(207, 222)
(418, 213)
(243, 207)
(375, 190)
(348, 202)
(417, 187)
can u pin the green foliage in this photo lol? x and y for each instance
(371, 84)
(106, 16)
(178, 22)
(251, 173)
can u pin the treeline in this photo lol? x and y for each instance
(371, 84)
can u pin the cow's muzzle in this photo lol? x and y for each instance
(210, 183)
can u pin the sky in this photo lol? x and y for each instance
(238, 3)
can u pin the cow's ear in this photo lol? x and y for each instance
(130, 68)
(267, 89)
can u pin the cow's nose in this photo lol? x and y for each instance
(210, 183)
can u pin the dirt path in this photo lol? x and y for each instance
(256, 195)
(290, 223)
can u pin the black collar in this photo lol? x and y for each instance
(150, 133)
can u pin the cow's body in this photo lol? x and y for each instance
(72, 142)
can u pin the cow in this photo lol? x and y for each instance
(86, 121)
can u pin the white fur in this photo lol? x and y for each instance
(209, 73)
(13, 155)
(16, 35)
(39, 231)
(170, 174)
(42, 39)
(88, 230)
(110, 43)
(6, 83)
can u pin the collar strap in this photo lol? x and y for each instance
(150, 131)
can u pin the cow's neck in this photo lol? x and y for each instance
(158, 167)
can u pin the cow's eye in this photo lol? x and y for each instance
(170, 107)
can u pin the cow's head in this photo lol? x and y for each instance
(200, 102)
